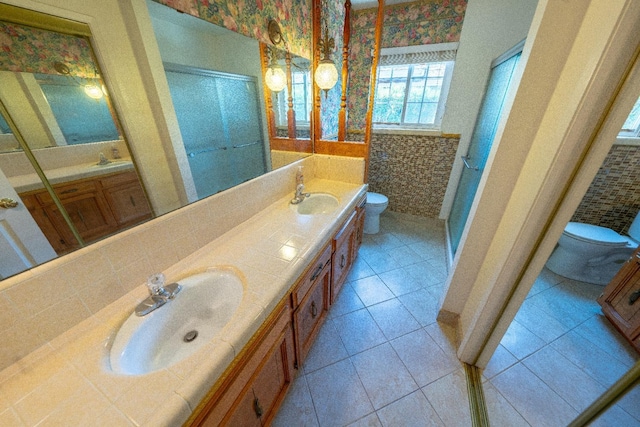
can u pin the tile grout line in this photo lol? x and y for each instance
(477, 404)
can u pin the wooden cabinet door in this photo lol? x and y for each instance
(126, 198)
(308, 316)
(620, 300)
(256, 386)
(343, 243)
(359, 230)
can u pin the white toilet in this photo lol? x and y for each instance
(376, 204)
(593, 254)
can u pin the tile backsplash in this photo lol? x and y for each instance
(613, 198)
(412, 171)
(41, 303)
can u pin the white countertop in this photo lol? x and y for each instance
(29, 182)
(70, 381)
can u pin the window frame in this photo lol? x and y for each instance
(280, 101)
(441, 53)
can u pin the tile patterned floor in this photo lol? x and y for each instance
(381, 359)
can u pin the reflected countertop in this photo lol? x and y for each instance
(30, 182)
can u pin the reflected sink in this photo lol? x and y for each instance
(165, 336)
(112, 164)
(316, 203)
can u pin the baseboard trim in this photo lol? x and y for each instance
(477, 404)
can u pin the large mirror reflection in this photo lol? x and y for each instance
(64, 161)
(64, 157)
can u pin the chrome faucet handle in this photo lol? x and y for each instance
(155, 284)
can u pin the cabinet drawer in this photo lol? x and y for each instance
(119, 178)
(307, 318)
(68, 191)
(311, 275)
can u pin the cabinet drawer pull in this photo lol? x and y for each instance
(343, 261)
(316, 273)
(257, 408)
(133, 202)
(314, 310)
(634, 297)
(69, 191)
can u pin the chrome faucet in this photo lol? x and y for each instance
(159, 294)
(300, 195)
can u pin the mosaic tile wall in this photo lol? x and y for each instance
(613, 199)
(412, 171)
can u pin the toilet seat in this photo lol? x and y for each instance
(595, 234)
(376, 199)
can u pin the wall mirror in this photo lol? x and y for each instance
(343, 113)
(199, 47)
(64, 160)
(49, 138)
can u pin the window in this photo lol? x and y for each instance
(631, 127)
(302, 97)
(412, 86)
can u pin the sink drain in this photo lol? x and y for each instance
(190, 336)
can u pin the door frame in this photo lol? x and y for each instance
(577, 87)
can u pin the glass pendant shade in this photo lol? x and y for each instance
(93, 91)
(275, 78)
(326, 74)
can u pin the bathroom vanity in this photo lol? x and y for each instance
(620, 300)
(253, 386)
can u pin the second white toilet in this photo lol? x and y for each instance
(593, 254)
(376, 204)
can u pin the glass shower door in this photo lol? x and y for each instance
(481, 141)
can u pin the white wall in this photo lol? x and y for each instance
(490, 28)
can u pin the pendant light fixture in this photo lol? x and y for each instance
(326, 75)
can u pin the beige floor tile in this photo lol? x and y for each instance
(359, 270)
(412, 410)
(384, 377)
(358, 331)
(499, 410)
(566, 379)
(520, 341)
(424, 359)
(596, 362)
(338, 394)
(348, 301)
(600, 331)
(500, 361)
(448, 396)
(400, 282)
(528, 394)
(327, 349)
(370, 420)
(372, 290)
(422, 304)
(297, 408)
(393, 318)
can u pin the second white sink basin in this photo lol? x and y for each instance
(180, 327)
(316, 203)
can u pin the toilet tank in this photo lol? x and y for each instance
(634, 229)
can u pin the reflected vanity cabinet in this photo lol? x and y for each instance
(97, 206)
(620, 300)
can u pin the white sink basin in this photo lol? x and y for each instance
(316, 203)
(112, 164)
(165, 336)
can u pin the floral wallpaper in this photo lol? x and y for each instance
(250, 18)
(333, 14)
(31, 50)
(408, 24)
